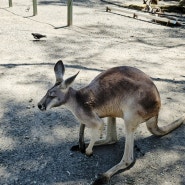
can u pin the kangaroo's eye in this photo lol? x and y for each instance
(52, 94)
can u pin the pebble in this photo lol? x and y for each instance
(26, 137)
(71, 154)
(30, 100)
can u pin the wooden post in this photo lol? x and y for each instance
(10, 3)
(34, 7)
(69, 12)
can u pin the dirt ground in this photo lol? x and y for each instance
(34, 145)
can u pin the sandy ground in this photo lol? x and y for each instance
(35, 146)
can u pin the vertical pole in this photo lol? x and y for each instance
(34, 7)
(10, 3)
(69, 12)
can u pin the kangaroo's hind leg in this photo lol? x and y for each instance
(128, 157)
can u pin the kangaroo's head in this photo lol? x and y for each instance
(58, 94)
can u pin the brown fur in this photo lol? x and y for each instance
(108, 89)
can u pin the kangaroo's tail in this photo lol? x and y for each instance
(160, 131)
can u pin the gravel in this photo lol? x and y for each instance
(35, 146)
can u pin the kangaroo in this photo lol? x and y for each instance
(124, 92)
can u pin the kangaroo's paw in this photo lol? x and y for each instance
(106, 141)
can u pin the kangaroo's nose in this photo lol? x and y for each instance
(41, 107)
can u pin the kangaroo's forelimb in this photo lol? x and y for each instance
(111, 136)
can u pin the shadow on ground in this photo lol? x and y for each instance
(39, 150)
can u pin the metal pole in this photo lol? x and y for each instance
(69, 12)
(10, 3)
(34, 7)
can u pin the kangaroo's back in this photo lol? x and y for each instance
(120, 88)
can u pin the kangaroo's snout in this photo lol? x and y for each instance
(41, 107)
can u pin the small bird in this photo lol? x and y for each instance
(38, 36)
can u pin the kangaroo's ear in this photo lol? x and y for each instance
(59, 71)
(69, 81)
